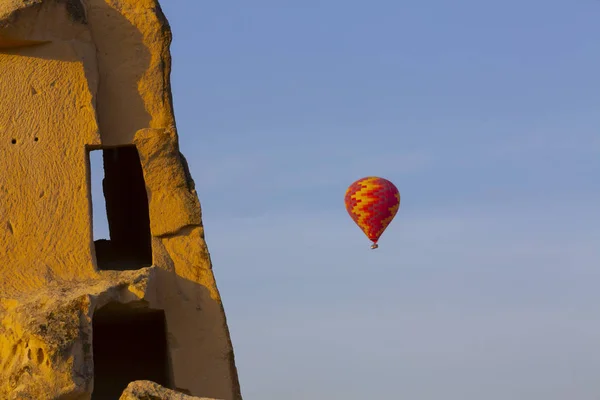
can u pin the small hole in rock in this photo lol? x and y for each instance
(35, 139)
(14, 141)
(40, 356)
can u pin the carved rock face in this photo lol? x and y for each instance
(93, 75)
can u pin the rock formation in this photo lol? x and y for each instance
(147, 390)
(82, 319)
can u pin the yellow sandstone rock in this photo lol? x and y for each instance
(94, 75)
(147, 390)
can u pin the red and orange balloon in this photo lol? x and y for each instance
(372, 203)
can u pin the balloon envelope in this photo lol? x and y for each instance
(372, 203)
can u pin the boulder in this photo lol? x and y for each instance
(148, 390)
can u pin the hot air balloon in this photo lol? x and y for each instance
(372, 203)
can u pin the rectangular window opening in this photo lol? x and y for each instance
(121, 215)
(129, 344)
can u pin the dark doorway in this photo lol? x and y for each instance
(129, 344)
(126, 210)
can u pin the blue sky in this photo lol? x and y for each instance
(484, 114)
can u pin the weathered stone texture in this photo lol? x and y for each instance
(147, 390)
(46, 337)
(78, 75)
(43, 172)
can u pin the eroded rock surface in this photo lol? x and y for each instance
(94, 75)
(46, 338)
(147, 390)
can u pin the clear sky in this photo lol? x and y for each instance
(486, 116)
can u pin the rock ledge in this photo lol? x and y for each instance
(147, 390)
